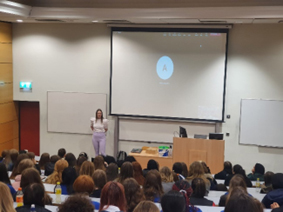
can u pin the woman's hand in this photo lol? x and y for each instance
(274, 205)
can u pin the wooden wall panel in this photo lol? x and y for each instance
(6, 53)
(7, 145)
(8, 112)
(6, 93)
(5, 32)
(6, 72)
(9, 131)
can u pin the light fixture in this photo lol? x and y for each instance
(19, 20)
(95, 21)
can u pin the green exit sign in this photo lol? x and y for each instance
(26, 86)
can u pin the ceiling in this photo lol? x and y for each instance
(143, 11)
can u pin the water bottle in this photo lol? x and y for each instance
(19, 197)
(170, 151)
(257, 185)
(32, 208)
(58, 192)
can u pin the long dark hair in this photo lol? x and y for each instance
(101, 119)
(4, 174)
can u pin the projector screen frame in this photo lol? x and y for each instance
(196, 30)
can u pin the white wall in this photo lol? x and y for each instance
(67, 57)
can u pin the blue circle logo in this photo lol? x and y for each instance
(164, 67)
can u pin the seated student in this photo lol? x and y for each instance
(71, 159)
(3, 155)
(69, 175)
(174, 201)
(185, 171)
(178, 170)
(49, 167)
(146, 206)
(113, 198)
(225, 172)
(16, 164)
(152, 186)
(236, 181)
(98, 162)
(11, 159)
(240, 201)
(33, 194)
(77, 203)
(197, 197)
(99, 179)
(87, 168)
(6, 201)
(133, 193)
(81, 159)
(138, 175)
(24, 164)
(267, 186)
(111, 172)
(237, 169)
(61, 152)
(31, 156)
(275, 195)
(151, 165)
(257, 172)
(44, 158)
(5, 179)
(56, 176)
(209, 176)
(167, 179)
(126, 171)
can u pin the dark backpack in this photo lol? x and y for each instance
(121, 158)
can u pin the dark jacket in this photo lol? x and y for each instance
(248, 182)
(49, 168)
(222, 175)
(201, 201)
(26, 208)
(253, 177)
(273, 196)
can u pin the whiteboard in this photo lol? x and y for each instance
(261, 122)
(70, 112)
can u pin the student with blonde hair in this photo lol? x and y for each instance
(167, 179)
(147, 206)
(6, 200)
(87, 168)
(56, 176)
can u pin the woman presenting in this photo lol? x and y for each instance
(99, 126)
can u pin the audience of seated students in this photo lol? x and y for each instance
(178, 170)
(236, 181)
(112, 172)
(44, 158)
(113, 198)
(31, 176)
(185, 171)
(240, 201)
(81, 159)
(126, 171)
(69, 175)
(87, 168)
(61, 152)
(227, 170)
(146, 206)
(176, 201)
(24, 164)
(16, 164)
(133, 192)
(98, 162)
(276, 195)
(199, 190)
(167, 179)
(151, 165)
(152, 186)
(4, 178)
(49, 167)
(109, 159)
(196, 171)
(6, 201)
(138, 175)
(209, 176)
(31, 156)
(11, 159)
(33, 194)
(237, 169)
(257, 172)
(267, 185)
(77, 203)
(71, 159)
(56, 176)
(99, 179)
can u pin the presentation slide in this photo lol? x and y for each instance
(168, 74)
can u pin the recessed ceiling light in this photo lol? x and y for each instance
(95, 21)
(19, 20)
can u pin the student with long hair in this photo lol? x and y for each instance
(111, 172)
(146, 206)
(133, 192)
(81, 159)
(126, 172)
(4, 178)
(99, 179)
(6, 201)
(11, 159)
(56, 176)
(227, 170)
(167, 179)
(49, 167)
(99, 126)
(78, 203)
(16, 164)
(71, 159)
(138, 175)
(87, 168)
(24, 164)
(98, 162)
(83, 184)
(238, 169)
(113, 198)
(153, 189)
(197, 197)
(44, 158)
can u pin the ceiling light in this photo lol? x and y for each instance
(19, 20)
(95, 21)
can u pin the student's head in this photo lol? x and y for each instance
(277, 181)
(239, 200)
(56, 176)
(83, 154)
(13, 155)
(83, 184)
(99, 114)
(198, 186)
(259, 169)
(205, 167)
(4, 174)
(71, 159)
(31, 156)
(130, 158)
(137, 168)
(4, 153)
(152, 185)
(196, 169)
(61, 152)
(69, 176)
(44, 158)
(87, 168)
(173, 201)
(268, 178)
(133, 193)
(152, 164)
(185, 171)
(99, 178)
(30, 176)
(6, 200)
(237, 169)
(112, 172)
(78, 203)
(98, 162)
(237, 181)
(113, 194)
(24, 164)
(227, 165)
(166, 174)
(54, 158)
(16, 164)
(184, 187)
(177, 168)
(147, 206)
(34, 194)
(126, 171)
